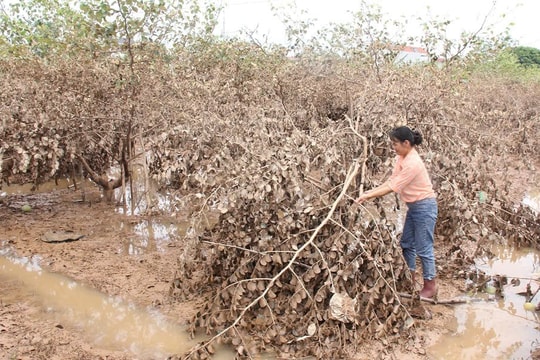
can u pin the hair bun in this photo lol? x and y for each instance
(403, 133)
(417, 137)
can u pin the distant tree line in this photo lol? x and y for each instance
(527, 56)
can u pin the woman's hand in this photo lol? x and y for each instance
(365, 196)
(373, 193)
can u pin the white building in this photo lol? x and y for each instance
(411, 55)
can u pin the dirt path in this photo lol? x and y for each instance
(102, 261)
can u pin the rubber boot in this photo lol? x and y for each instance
(429, 290)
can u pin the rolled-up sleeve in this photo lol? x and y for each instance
(400, 179)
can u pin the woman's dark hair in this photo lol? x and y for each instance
(403, 133)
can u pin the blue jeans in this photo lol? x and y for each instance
(417, 237)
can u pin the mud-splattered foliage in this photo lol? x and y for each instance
(50, 113)
(274, 172)
(267, 143)
(281, 185)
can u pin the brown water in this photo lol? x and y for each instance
(152, 235)
(108, 322)
(496, 328)
(111, 323)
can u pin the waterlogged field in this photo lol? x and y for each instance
(107, 294)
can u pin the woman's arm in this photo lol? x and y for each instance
(380, 190)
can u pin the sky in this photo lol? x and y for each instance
(466, 15)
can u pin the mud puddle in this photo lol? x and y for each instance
(493, 327)
(110, 323)
(499, 327)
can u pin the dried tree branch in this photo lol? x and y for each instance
(439, 302)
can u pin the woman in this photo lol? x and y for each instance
(411, 181)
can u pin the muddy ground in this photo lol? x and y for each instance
(103, 261)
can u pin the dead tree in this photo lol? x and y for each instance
(107, 184)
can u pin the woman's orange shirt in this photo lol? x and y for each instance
(410, 178)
